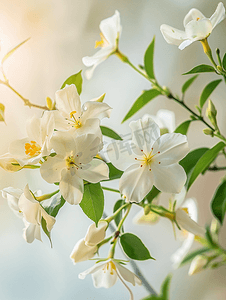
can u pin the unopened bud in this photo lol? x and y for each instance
(94, 234)
(198, 264)
(211, 113)
(99, 99)
(166, 90)
(215, 226)
(147, 209)
(208, 131)
(81, 252)
(220, 69)
(49, 103)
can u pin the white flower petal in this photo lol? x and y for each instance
(218, 15)
(198, 30)
(193, 14)
(180, 197)
(94, 171)
(63, 143)
(94, 234)
(51, 169)
(31, 232)
(121, 154)
(82, 252)
(180, 254)
(50, 221)
(172, 147)
(184, 44)
(169, 179)
(128, 275)
(172, 35)
(68, 100)
(87, 146)
(12, 196)
(7, 162)
(111, 28)
(33, 127)
(47, 127)
(167, 118)
(60, 122)
(187, 223)
(136, 182)
(144, 133)
(89, 126)
(92, 270)
(192, 206)
(97, 58)
(71, 187)
(104, 278)
(92, 109)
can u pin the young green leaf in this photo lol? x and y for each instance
(53, 205)
(8, 54)
(141, 101)
(224, 61)
(92, 202)
(134, 247)
(183, 127)
(165, 287)
(207, 158)
(149, 59)
(44, 227)
(2, 112)
(188, 83)
(207, 91)
(110, 133)
(75, 79)
(218, 203)
(114, 173)
(192, 255)
(117, 205)
(200, 69)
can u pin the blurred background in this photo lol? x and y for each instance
(62, 32)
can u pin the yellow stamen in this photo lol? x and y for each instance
(71, 114)
(102, 43)
(32, 149)
(185, 209)
(109, 266)
(147, 158)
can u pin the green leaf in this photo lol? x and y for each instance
(8, 54)
(200, 69)
(117, 205)
(134, 247)
(141, 101)
(92, 202)
(149, 59)
(192, 255)
(188, 83)
(207, 158)
(53, 205)
(183, 127)
(190, 160)
(110, 133)
(75, 79)
(114, 173)
(152, 194)
(207, 91)
(165, 287)
(2, 112)
(44, 227)
(153, 297)
(224, 61)
(218, 203)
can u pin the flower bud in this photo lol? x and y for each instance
(49, 103)
(94, 234)
(81, 252)
(208, 131)
(198, 264)
(99, 99)
(211, 113)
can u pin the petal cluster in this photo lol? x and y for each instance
(149, 159)
(197, 27)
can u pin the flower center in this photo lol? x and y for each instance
(76, 122)
(70, 162)
(147, 159)
(102, 43)
(32, 149)
(110, 266)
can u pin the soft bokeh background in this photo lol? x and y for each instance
(62, 32)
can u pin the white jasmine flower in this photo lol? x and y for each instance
(82, 252)
(110, 32)
(31, 231)
(31, 149)
(198, 264)
(72, 115)
(149, 159)
(32, 211)
(105, 274)
(197, 27)
(73, 163)
(96, 234)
